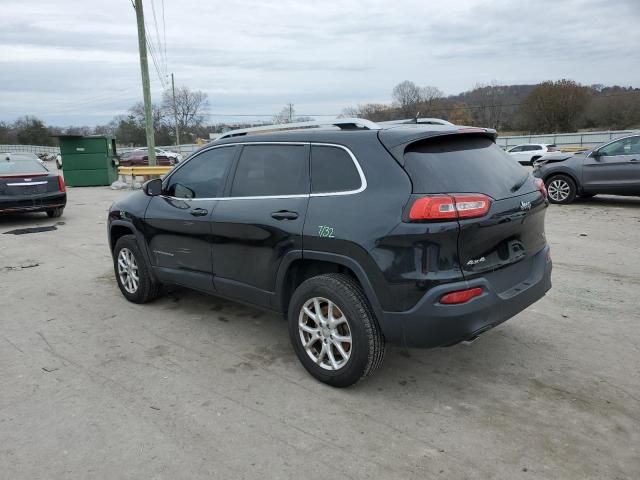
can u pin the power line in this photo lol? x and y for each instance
(163, 62)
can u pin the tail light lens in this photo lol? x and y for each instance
(449, 207)
(61, 184)
(461, 296)
(541, 187)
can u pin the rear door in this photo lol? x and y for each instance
(616, 169)
(178, 223)
(260, 219)
(512, 229)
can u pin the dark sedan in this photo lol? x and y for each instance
(139, 158)
(612, 168)
(27, 186)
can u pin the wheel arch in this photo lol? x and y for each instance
(567, 173)
(119, 229)
(296, 267)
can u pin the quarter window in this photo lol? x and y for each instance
(203, 176)
(271, 170)
(333, 170)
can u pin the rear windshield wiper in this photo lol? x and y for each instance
(519, 185)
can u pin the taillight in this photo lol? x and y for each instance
(449, 207)
(541, 187)
(461, 296)
(61, 184)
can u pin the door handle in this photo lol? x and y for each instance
(284, 215)
(634, 160)
(199, 212)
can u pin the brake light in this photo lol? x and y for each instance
(541, 187)
(461, 296)
(61, 184)
(449, 207)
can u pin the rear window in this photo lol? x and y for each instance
(19, 163)
(463, 164)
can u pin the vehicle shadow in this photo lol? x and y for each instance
(509, 354)
(36, 219)
(609, 201)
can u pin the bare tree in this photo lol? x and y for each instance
(191, 107)
(408, 95)
(429, 95)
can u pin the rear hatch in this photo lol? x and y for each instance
(512, 229)
(25, 176)
(27, 185)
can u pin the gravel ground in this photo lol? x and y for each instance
(193, 387)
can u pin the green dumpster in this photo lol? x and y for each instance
(88, 161)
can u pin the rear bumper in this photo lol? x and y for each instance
(32, 203)
(432, 324)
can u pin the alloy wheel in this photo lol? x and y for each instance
(559, 190)
(325, 333)
(128, 270)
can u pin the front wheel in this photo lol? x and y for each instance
(333, 330)
(561, 189)
(132, 273)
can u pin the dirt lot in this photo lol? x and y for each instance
(196, 387)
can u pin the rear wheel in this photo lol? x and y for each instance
(55, 212)
(132, 273)
(561, 189)
(333, 330)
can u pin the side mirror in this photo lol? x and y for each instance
(153, 187)
(595, 154)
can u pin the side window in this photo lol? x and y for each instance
(516, 149)
(626, 146)
(203, 176)
(271, 170)
(634, 145)
(333, 170)
(535, 147)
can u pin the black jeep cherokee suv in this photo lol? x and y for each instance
(416, 235)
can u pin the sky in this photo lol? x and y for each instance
(73, 62)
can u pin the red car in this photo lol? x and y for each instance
(139, 158)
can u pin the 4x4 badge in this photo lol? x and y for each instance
(525, 205)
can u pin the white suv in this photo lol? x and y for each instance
(526, 154)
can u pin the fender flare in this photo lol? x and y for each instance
(345, 261)
(142, 245)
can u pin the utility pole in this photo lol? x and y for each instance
(175, 111)
(144, 68)
(290, 112)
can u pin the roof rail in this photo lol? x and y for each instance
(421, 121)
(342, 123)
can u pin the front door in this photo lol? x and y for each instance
(616, 169)
(260, 220)
(178, 223)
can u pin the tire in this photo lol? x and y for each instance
(365, 352)
(146, 288)
(55, 212)
(58, 165)
(533, 159)
(561, 189)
